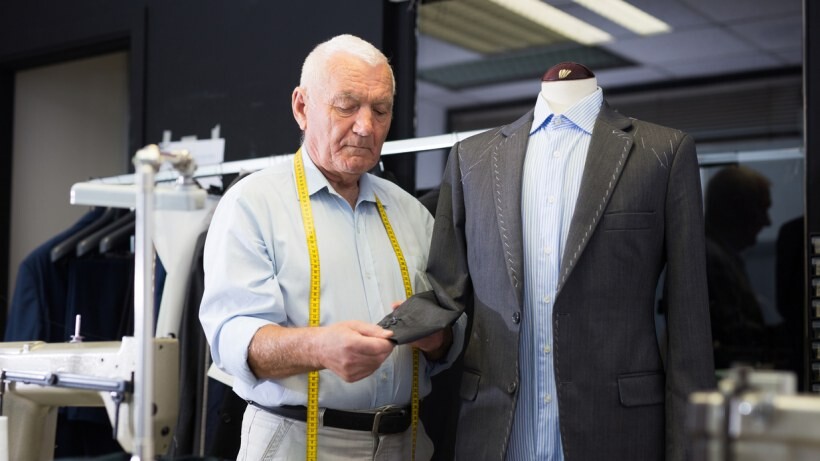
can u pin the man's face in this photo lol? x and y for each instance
(346, 117)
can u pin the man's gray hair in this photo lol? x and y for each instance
(314, 67)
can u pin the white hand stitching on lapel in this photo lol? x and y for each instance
(599, 209)
(504, 235)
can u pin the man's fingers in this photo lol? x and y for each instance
(370, 329)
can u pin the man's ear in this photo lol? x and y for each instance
(299, 106)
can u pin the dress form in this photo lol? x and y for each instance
(566, 83)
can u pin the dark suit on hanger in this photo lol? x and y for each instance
(47, 296)
(639, 210)
(38, 306)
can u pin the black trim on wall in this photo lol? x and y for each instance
(136, 83)
(811, 92)
(400, 48)
(6, 142)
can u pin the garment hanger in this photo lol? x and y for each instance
(69, 245)
(114, 239)
(92, 242)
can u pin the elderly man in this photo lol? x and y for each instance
(303, 259)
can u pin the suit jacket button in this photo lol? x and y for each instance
(516, 318)
(511, 387)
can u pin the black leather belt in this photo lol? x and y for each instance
(390, 420)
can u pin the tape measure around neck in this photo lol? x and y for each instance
(408, 292)
(313, 320)
(313, 252)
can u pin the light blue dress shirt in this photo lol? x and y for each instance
(553, 167)
(257, 273)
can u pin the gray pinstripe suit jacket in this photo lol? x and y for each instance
(639, 211)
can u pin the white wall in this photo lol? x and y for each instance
(70, 124)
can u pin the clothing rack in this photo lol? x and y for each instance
(119, 191)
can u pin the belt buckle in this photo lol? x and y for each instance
(383, 411)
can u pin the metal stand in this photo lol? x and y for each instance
(147, 162)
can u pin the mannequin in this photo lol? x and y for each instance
(637, 210)
(566, 83)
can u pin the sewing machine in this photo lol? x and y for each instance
(38, 378)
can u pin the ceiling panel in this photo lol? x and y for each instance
(710, 66)
(709, 38)
(776, 33)
(529, 64)
(691, 45)
(731, 11)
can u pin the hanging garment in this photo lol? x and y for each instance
(37, 310)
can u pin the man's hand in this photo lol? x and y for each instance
(435, 345)
(353, 349)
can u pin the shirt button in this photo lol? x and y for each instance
(547, 349)
(547, 398)
(384, 376)
(547, 299)
(516, 318)
(551, 199)
(556, 154)
(548, 250)
(511, 387)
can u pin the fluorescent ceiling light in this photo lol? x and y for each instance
(627, 16)
(483, 26)
(555, 19)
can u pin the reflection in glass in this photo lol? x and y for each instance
(753, 219)
(737, 203)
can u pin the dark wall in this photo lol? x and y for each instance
(811, 77)
(195, 64)
(236, 64)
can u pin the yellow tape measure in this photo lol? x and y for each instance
(313, 251)
(408, 291)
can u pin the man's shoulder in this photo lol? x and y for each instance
(260, 184)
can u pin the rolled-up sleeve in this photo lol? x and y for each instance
(241, 292)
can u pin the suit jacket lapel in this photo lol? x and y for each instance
(608, 150)
(508, 165)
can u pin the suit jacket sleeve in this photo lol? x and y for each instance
(427, 312)
(689, 358)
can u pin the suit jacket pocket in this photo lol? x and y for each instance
(623, 220)
(645, 388)
(469, 385)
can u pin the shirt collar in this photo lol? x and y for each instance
(367, 193)
(582, 114)
(316, 181)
